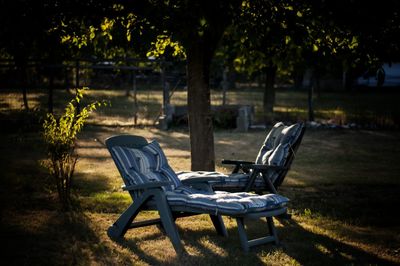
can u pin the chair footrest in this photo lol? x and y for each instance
(144, 223)
(260, 241)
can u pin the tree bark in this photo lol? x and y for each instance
(22, 75)
(310, 103)
(199, 108)
(51, 87)
(269, 93)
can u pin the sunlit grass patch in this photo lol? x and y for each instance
(105, 202)
(360, 107)
(343, 187)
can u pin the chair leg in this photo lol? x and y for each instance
(219, 225)
(272, 230)
(121, 225)
(242, 234)
(168, 223)
(246, 244)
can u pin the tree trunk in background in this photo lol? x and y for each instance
(310, 103)
(25, 90)
(298, 76)
(269, 93)
(199, 108)
(51, 87)
(22, 74)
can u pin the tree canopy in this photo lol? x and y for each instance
(256, 35)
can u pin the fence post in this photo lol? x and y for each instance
(77, 66)
(166, 116)
(225, 84)
(51, 85)
(135, 103)
(310, 103)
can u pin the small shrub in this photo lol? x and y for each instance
(60, 136)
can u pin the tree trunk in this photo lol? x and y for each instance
(23, 81)
(225, 84)
(21, 63)
(310, 103)
(51, 87)
(25, 94)
(298, 76)
(199, 108)
(269, 93)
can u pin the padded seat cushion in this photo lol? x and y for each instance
(224, 203)
(220, 181)
(216, 177)
(146, 164)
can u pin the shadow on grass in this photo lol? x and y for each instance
(86, 186)
(204, 253)
(298, 243)
(365, 205)
(309, 248)
(51, 238)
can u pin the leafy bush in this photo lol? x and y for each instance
(60, 136)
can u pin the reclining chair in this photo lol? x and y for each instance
(153, 185)
(266, 173)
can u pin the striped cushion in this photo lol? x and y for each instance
(220, 202)
(128, 164)
(270, 142)
(290, 134)
(237, 181)
(162, 162)
(216, 176)
(278, 158)
(146, 164)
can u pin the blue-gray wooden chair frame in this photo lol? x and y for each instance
(153, 198)
(264, 170)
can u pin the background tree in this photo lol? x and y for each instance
(198, 26)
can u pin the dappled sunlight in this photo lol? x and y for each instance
(293, 179)
(360, 108)
(333, 239)
(212, 248)
(359, 167)
(12, 100)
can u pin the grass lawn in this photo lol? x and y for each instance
(344, 189)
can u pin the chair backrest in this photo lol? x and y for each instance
(139, 161)
(125, 141)
(129, 141)
(270, 143)
(290, 157)
(279, 149)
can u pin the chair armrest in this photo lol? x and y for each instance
(235, 162)
(148, 185)
(264, 167)
(196, 180)
(238, 165)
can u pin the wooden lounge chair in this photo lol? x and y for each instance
(153, 185)
(268, 171)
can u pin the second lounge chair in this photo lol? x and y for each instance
(153, 185)
(268, 171)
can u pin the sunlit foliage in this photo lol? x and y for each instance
(163, 45)
(60, 135)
